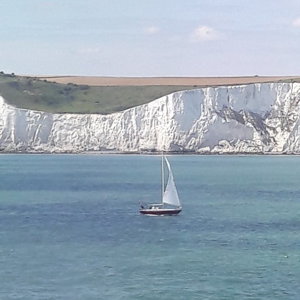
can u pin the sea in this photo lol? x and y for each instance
(70, 228)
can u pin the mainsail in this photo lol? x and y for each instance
(170, 195)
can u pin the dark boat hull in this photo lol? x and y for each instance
(161, 211)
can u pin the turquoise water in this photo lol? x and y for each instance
(70, 228)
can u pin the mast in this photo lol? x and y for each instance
(162, 177)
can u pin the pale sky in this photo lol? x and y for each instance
(150, 37)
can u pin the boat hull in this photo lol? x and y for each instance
(161, 211)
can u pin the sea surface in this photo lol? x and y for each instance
(70, 228)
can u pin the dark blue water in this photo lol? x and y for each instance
(70, 228)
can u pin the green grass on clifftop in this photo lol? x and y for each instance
(35, 94)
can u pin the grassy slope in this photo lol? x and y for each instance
(31, 93)
(35, 94)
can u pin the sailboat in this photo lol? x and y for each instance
(170, 203)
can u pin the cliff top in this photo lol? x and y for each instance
(161, 81)
(104, 95)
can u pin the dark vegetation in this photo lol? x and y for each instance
(36, 94)
(33, 93)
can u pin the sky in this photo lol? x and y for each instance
(150, 37)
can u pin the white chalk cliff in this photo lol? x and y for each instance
(255, 118)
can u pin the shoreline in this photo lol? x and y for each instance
(158, 153)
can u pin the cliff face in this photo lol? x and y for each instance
(237, 119)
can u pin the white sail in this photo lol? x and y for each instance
(170, 195)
